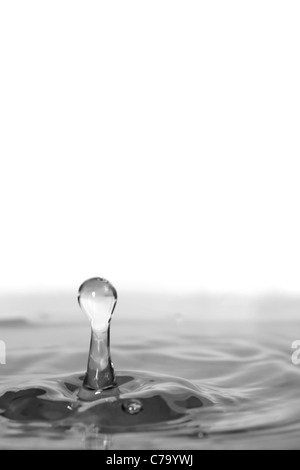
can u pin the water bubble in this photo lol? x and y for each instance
(132, 407)
(97, 299)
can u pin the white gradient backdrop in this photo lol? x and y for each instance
(155, 143)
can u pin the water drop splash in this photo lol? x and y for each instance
(101, 400)
(97, 299)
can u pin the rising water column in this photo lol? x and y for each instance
(97, 299)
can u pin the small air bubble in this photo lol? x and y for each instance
(132, 407)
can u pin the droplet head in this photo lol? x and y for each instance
(97, 298)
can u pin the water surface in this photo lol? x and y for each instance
(241, 367)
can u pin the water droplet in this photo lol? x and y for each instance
(97, 299)
(132, 407)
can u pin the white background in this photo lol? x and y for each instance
(155, 143)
